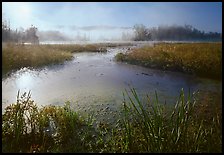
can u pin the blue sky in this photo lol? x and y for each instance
(70, 17)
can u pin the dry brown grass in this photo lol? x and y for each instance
(77, 47)
(203, 59)
(16, 56)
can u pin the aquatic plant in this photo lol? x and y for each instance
(141, 127)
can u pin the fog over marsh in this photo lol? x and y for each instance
(108, 21)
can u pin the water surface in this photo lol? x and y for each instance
(95, 81)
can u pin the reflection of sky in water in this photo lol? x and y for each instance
(93, 78)
(25, 81)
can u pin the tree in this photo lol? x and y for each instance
(5, 30)
(141, 33)
(182, 33)
(31, 35)
(18, 36)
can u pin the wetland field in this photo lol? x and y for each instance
(112, 97)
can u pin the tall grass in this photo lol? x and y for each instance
(141, 127)
(202, 59)
(151, 129)
(77, 48)
(16, 56)
(26, 128)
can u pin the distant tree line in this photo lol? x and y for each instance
(141, 33)
(19, 36)
(173, 33)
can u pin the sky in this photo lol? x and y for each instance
(111, 18)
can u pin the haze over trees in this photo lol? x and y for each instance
(174, 33)
(19, 36)
(140, 33)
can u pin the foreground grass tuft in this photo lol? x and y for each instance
(142, 127)
(26, 128)
(151, 127)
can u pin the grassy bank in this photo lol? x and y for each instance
(202, 59)
(142, 127)
(17, 56)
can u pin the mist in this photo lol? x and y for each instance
(96, 21)
(52, 36)
(86, 33)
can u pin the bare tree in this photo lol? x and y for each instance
(141, 33)
(31, 35)
(5, 30)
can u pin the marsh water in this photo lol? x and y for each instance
(94, 81)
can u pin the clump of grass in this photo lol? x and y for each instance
(115, 44)
(16, 56)
(202, 59)
(78, 48)
(149, 128)
(120, 57)
(142, 127)
(27, 128)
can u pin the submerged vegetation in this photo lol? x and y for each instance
(142, 127)
(202, 59)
